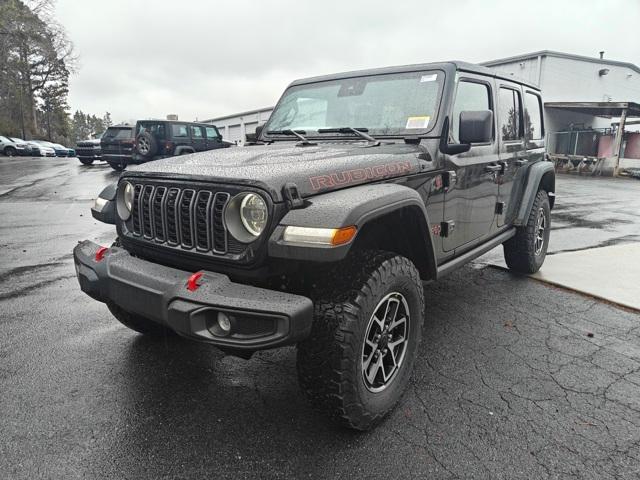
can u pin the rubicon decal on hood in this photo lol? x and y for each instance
(359, 175)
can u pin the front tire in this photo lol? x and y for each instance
(10, 152)
(367, 327)
(86, 161)
(139, 323)
(526, 250)
(117, 166)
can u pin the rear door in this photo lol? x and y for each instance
(513, 154)
(469, 205)
(197, 138)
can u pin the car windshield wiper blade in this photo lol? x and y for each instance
(296, 133)
(358, 131)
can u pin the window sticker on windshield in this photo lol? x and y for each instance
(418, 122)
(429, 78)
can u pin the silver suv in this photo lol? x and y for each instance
(12, 147)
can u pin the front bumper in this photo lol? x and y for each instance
(260, 318)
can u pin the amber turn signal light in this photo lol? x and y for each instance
(343, 235)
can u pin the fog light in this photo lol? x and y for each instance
(224, 322)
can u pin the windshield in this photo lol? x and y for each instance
(390, 104)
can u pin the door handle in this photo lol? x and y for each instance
(493, 168)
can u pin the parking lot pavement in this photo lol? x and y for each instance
(515, 379)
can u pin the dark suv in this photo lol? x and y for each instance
(360, 187)
(116, 146)
(157, 139)
(89, 151)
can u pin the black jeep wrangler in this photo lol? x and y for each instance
(157, 139)
(363, 186)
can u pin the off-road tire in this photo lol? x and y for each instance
(10, 152)
(520, 250)
(139, 323)
(86, 161)
(330, 361)
(146, 139)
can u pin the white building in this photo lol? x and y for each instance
(565, 77)
(234, 127)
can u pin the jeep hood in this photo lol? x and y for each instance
(314, 169)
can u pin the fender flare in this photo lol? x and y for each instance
(106, 214)
(539, 173)
(354, 206)
(180, 149)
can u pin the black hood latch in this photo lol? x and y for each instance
(292, 196)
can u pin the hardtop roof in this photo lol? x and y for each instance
(181, 122)
(449, 66)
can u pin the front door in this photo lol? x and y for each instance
(213, 138)
(470, 199)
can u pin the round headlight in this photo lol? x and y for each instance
(125, 200)
(245, 216)
(253, 213)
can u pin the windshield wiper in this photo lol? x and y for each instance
(358, 131)
(296, 133)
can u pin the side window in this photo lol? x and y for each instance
(533, 114)
(509, 114)
(470, 96)
(212, 133)
(196, 132)
(157, 129)
(179, 131)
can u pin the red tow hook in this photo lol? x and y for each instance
(192, 282)
(100, 253)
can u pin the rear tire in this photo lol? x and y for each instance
(139, 323)
(525, 252)
(350, 367)
(10, 152)
(86, 161)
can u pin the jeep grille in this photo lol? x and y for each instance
(187, 218)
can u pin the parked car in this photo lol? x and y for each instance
(31, 149)
(13, 146)
(89, 151)
(157, 139)
(64, 151)
(363, 186)
(40, 150)
(116, 146)
(59, 150)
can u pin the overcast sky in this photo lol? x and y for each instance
(203, 58)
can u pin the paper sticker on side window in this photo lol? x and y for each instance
(429, 78)
(418, 122)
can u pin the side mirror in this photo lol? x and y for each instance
(250, 137)
(259, 131)
(476, 126)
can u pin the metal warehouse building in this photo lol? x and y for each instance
(234, 127)
(564, 77)
(583, 97)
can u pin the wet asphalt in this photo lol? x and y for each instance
(515, 379)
